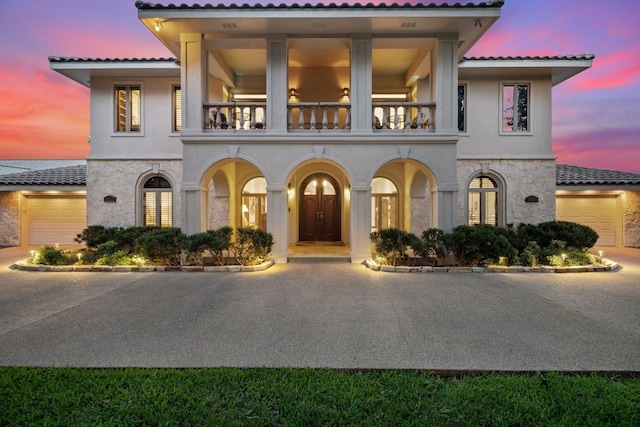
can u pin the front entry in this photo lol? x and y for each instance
(319, 209)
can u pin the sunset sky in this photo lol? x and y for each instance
(596, 115)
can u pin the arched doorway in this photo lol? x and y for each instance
(319, 209)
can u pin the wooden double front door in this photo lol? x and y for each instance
(319, 209)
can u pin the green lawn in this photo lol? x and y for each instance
(309, 397)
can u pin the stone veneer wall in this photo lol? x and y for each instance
(9, 218)
(120, 178)
(522, 178)
(632, 219)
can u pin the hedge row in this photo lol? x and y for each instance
(551, 243)
(122, 246)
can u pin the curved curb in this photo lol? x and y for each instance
(608, 265)
(24, 266)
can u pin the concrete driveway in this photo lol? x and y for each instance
(323, 315)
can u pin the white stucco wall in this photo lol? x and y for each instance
(122, 179)
(632, 218)
(522, 178)
(155, 139)
(484, 137)
(9, 218)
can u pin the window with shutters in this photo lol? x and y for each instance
(177, 109)
(485, 196)
(157, 202)
(128, 105)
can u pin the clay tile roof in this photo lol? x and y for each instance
(109, 60)
(68, 175)
(575, 175)
(532, 58)
(143, 5)
(16, 166)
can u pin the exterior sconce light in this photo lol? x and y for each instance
(158, 25)
(345, 92)
(531, 199)
(293, 93)
(109, 199)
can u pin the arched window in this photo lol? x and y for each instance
(254, 204)
(485, 199)
(384, 204)
(157, 202)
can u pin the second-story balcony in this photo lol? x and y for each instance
(319, 117)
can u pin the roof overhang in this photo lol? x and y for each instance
(82, 70)
(558, 68)
(234, 22)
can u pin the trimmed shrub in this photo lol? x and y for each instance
(107, 248)
(116, 258)
(216, 242)
(49, 255)
(392, 244)
(431, 248)
(531, 254)
(252, 245)
(479, 245)
(162, 244)
(126, 237)
(94, 235)
(576, 236)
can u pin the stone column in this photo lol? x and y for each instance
(361, 83)
(194, 217)
(447, 84)
(360, 222)
(445, 210)
(277, 83)
(193, 82)
(277, 221)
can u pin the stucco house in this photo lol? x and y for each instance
(321, 123)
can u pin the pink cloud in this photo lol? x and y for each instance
(42, 115)
(603, 148)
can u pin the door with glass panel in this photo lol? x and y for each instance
(320, 209)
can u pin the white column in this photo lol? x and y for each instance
(277, 83)
(277, 221)
(193, 63)
(360, 222)
(194, 217)
(447, 84)
(361, 83)
(445, 209)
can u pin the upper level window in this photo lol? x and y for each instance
(462, 108)
(515, 108)
(177, 109)
(128, 108)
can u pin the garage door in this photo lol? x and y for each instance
(599, 213)
(55, 219)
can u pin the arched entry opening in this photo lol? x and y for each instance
(254, 204)
(236, 195)
(319, 213)
(403, 196)
(384, 204)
